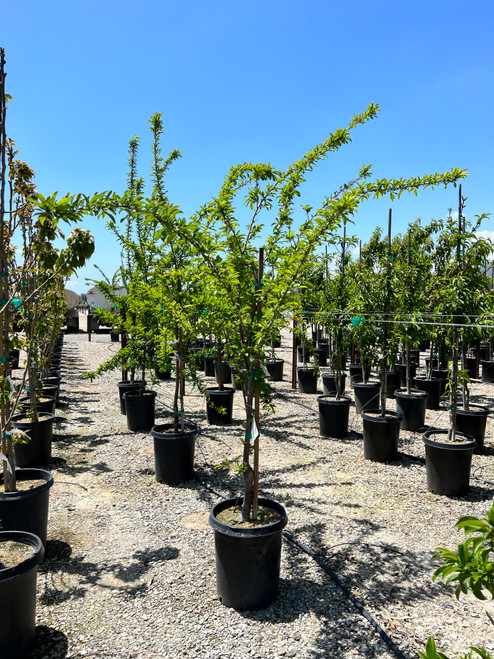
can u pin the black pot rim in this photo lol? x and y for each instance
(134, 394)
(229, 391)
(274, 360)
(415, 393)
(330, 399)
(129, 383)
(424, 379)
(21, 568)
(391, 417)
(29, 473)
(363, 385)
(479, 411)
(159, 432)
(331, 376)
(248, 532)
(464, 446)
(23, 400)
(48, 418)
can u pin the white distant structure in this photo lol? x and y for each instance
(96, 300)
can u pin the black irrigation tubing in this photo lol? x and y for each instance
(345, 590)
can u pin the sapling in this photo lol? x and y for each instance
(259, 303)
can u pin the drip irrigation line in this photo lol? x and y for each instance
(346, 591)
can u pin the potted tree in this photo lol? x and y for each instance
(376, 288)
(413, 268)
(261, 285)
(463, 297)
(334, 407)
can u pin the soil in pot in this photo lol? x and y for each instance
(381, 434)
(307, 380)
(27, 509)
(20, 554)
(333, 415)
(247, 557)
(219, 406)
(366, 395)
(174, 452)
(448, 464)
(473, 422)
(433, 388)
(37, 451)
(43, 404)
(412, 408)
(140, 409)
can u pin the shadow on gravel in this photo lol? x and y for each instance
(342, 627)
(122, 577)
(49, 642)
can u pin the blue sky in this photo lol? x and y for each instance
(247, 80)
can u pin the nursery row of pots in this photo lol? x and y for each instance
(24, 515)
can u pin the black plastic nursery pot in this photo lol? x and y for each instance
(27, 510)
(18, 596)
(307, 380)
(219, 406)
(439, 374)
(50, 390)
(37, 451)
(487, 371)
(355, 371)
(162, 374)
(473, 422)
(381, 435)
(302, 351)
(433, 387)
(393, 379)
(209, 366)
(329, 382)
(275, 369)
(366, 395)
(14, 358)
(333, 415)
(401, 369)
(412, 408)
(124, 387)
(114, 336)
(247, 558)
(320, 356)
(174, 452)
(140, 409)
(226, 374)
(448, 464)
(43, 404)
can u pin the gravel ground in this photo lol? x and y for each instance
(129, 568)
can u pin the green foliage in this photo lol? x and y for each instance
(431, 652)
(472, 565)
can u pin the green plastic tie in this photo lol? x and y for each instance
(4, 274)
(30, 389)
(259, 315)
(3, 301)
(7, 436)
(178, 412)
(4, 359)
(248, 435)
